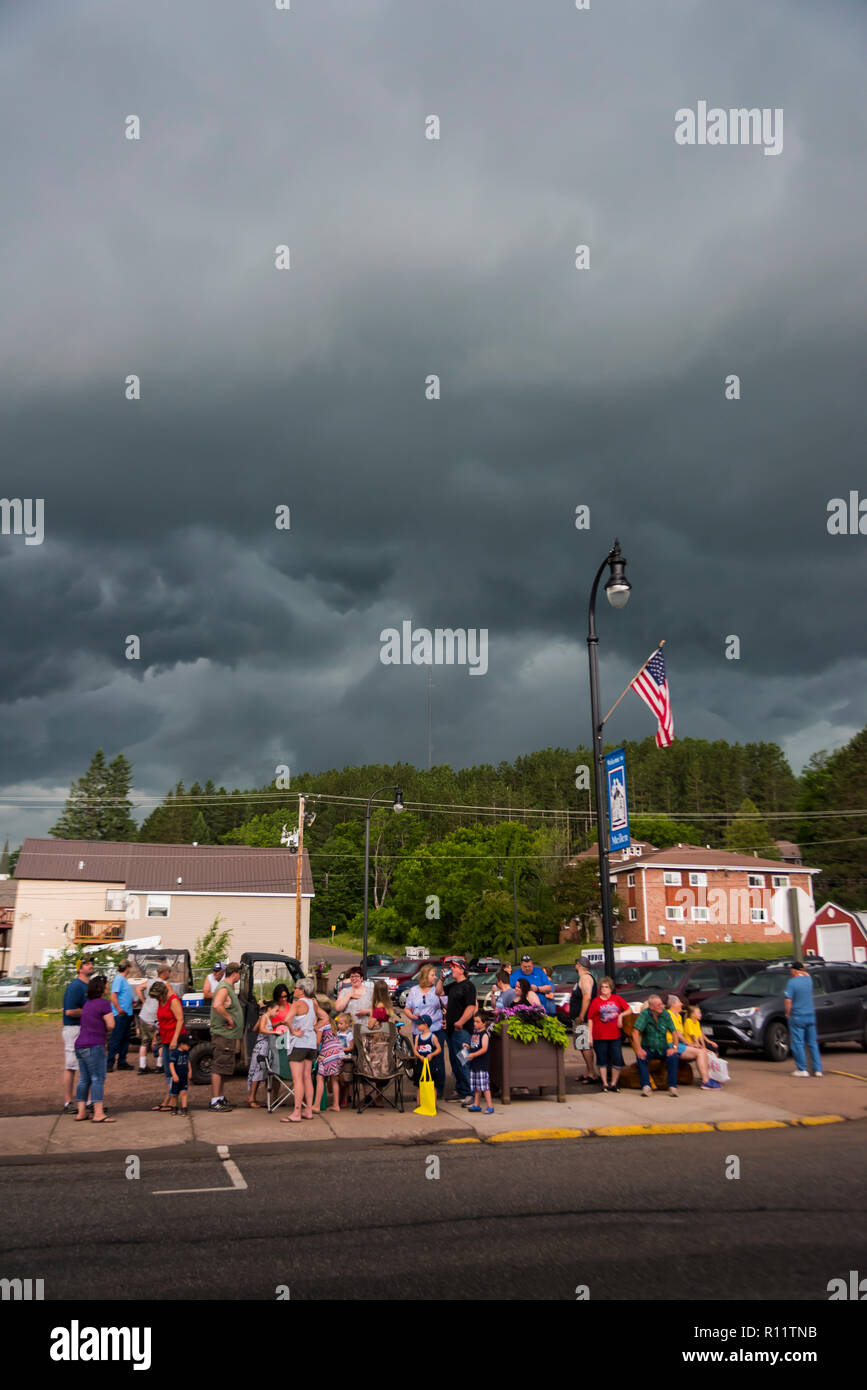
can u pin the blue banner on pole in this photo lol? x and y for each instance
(618, 802)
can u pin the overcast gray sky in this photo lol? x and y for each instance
(305, 387)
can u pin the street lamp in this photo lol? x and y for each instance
(514, 905)
(617, 589)
(397, 807)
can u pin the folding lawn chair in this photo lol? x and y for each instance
(278, 1075)
(377, 1068)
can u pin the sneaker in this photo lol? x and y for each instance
(672, 1091)
(124, 1066)
(819, 1075)
(221, 1105)
(800, 1073)
(714, 1085)
(706, 1086)
(615, 1090)
(645, 1090)
(69, 1108)
(467, 1103)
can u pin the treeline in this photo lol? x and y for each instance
(748, 793)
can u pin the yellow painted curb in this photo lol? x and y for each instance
(514, 1136)
(752, 1124)
(856, 1076)
(615, 1131)
(819, 1120)
(469, 1140)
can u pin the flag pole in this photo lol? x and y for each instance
(632, 682)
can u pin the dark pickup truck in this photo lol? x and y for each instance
(259, 973)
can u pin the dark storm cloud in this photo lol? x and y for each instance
(306, 388)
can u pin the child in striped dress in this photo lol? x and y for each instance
(328, 1066)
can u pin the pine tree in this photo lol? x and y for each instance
(82, 814)
(118, 823)
(200, 831)
(4, 859)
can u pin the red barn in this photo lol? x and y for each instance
(837, 934)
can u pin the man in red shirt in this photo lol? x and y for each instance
(605, 1016)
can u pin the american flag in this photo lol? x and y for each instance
(652, 686)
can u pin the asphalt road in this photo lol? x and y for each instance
(513, 1221)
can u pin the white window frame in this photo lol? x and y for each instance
(780, 880)
(698, 880)
(161, 898)
(700, 914)
(674, 914)
(630, 880)
(755, 880)
(758, 914)
(633, 914)
(672, 877)
(116, 893)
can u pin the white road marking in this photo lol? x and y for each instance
(238, 1183)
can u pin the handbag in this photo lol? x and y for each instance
(427, 1103)
(718, 1068)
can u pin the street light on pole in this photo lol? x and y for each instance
(397, 808)
(617, 589)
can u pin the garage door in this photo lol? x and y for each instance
(835, 943)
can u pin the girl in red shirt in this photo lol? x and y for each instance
(605, 1016)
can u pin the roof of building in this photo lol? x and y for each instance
(696, 857)
(788, 849)
(639, 848)
(147, 868)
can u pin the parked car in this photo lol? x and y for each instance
(404, 988)
(376, 962)
(564, 978)
(401, 972)
(753, 1015)
(485, 964)
(14, 989)
(692, 981)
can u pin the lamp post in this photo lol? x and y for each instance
(514, 905)
(617, 590)
(397, 807)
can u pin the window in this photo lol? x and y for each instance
(756, 880)
(758, 914)
(115, 900)
(158, 904)
(700, 914)
(633, 914)
(698, 880)
(731, 975)
(704, 977)
(630, 880)
(848, 979)
(674, 914)
(781, 880)
(671, 876)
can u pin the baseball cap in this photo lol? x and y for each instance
(526, 957)
(220, 965)
(426, 1019)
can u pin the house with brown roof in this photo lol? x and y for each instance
(690, 895)
(8, 894)
(93, 892)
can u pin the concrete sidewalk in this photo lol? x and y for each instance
(792, 1101)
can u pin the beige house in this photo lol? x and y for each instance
(89, 892)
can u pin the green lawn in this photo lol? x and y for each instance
(21, 1018)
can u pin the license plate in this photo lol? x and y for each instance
(709, 1032)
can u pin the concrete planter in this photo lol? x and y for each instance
(538, 1066)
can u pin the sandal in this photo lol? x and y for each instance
(307, 1117)
(161, 1107)
(291, 1120)
(106, 1120)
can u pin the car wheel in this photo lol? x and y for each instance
(776, 1042)
(200, 1063)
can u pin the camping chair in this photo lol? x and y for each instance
(278, 1074)
(377, 1068)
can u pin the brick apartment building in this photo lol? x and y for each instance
(697, 895)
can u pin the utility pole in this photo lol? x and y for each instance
(298, 869)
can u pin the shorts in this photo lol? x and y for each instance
(223, 1059)
(177, 1088)
(146, 1032)
(681, 1047)
(302, 1054)
(70, 1032)
(609, 1053)
(582, 1036)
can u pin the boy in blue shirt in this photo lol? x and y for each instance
(801, 1013)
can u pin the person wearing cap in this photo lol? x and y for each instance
(801, 1015)
(426, 1047)
(214, 980)
(538, 978)
(460, 1009)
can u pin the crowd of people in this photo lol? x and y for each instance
(444, 1015)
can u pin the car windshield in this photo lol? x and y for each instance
(766, 983)
(16, 982)
(564, 975)
(398, 967)
(661, 978)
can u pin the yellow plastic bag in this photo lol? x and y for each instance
(426, 1092)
